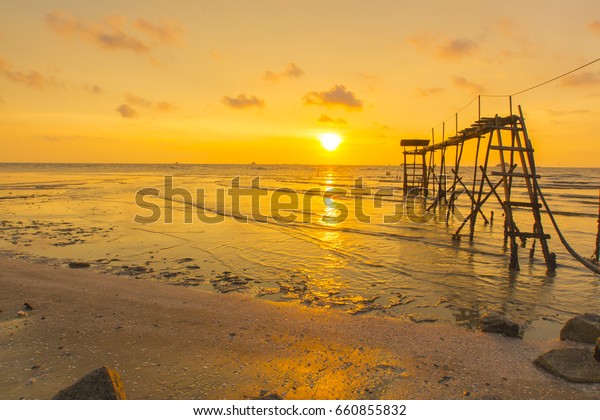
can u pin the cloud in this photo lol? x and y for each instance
(586, 78)
(291, 71)
(111, 33)
(594, 26)
(507, 27)
(95, 89)
(456, 49)
(138, 100)
(31, 79)
(165, 106)
(127, 111)
(421, 42)
(326, 119)
(429, 91)
(135, 100)
(337, 95)
(167, 32)
(463, 83)
(444, 48)
(242, 101)
(107, 34)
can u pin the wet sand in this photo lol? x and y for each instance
(172, 342)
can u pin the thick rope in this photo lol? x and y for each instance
(587, 263)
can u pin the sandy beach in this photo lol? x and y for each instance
(172, 342)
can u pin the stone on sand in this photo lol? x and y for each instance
(573, 364)
(100, 384)
(583, 328)
(497, 323)
(76, 264)
(597, 350)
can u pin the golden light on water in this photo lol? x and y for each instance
(330, 141)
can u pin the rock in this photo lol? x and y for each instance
(75, 264)
(497, 323)
(597, 350)
(27, 306)
(583, 328)
(22, 313)
(419, 318)
(101, 384)
(573, 364)
(266, 395)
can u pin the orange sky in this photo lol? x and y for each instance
(241, 81)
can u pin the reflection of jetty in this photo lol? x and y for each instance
(506, 136)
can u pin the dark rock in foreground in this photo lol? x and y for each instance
(583, 328)
(497, 323)
(266, 395)
(572, 364)
(79, 265)
(597, 350)
(100, 384)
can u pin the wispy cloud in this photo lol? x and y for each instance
(421, 42)
(594, 26)
(127, 111)
(443, 48)
(429, 91)
(33, 79)
(165, 106)
(506, 27)
(95, 89)
(463, 83)
(586, 78)
(290, 72)
(167, 31)
(337, 95)
(114, 32)
(243, 101)
(136, 100)
(458, 48)
(326, 119)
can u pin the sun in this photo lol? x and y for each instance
(330, 141)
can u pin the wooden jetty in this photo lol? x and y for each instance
(506, 136)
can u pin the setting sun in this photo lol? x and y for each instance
(330, 141)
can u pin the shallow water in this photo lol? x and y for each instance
(401, 262)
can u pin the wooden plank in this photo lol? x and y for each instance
(511, 148)
(414, 142)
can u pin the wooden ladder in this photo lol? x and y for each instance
(517, 162)
(415, 168)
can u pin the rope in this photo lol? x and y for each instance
(556, 78)
(522, 91)
(587, 263)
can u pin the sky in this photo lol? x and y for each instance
(237, 81)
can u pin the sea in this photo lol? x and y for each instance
(340, 238)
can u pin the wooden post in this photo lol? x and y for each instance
(597, 252)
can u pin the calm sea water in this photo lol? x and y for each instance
(322, 246)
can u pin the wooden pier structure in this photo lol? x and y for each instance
(508, 138)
